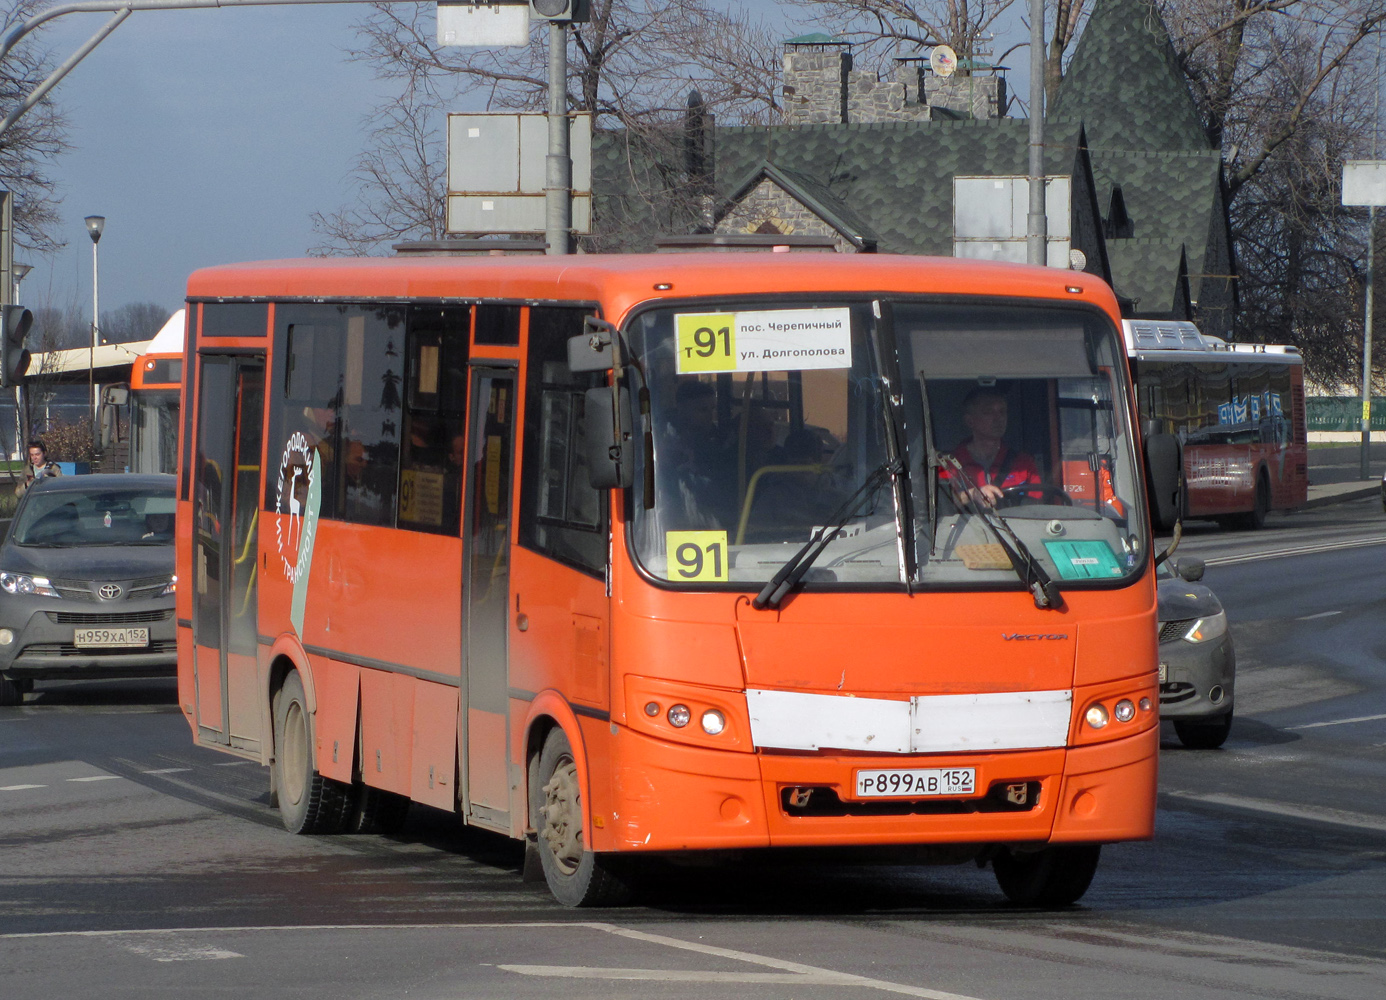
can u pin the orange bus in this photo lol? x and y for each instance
(1235, 413)
(627, 556)
(156, 385)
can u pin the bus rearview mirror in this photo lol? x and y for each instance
(591, 352)
(1162, 471)
(610, 446)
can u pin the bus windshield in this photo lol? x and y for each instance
(768, 418)
(154, 430)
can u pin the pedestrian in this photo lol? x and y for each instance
(38, 467)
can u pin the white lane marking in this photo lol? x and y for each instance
(232, 763)
(838, 978)
(1315, 814)
(1295, 550)
(676, 975)
(97, 777)
(1339, 722)
(182, 952)
(1321, 614)
(19, 788)
(167, 770)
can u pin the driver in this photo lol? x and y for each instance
(986, 459)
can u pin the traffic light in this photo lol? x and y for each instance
(560, 10)
(14, 358)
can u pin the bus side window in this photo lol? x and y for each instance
(306, 398)
(434, 448)
(372, 373)
(561, 515)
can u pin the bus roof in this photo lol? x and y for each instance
(169, 339)
(621, 281)
(1180, 335)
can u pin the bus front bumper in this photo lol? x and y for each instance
(669, 797)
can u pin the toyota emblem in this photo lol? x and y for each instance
(109, 592)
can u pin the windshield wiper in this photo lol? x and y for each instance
(1026, 566)
(793, 571)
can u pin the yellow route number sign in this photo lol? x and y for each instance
(706, 342)
(697, 556)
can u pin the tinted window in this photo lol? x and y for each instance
(498, 325)
(234, 319)
(434, 447)
(67, 518)
(561, 515)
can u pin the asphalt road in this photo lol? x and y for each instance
(133, 864)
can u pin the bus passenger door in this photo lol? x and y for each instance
(226, 506)
(485, 597)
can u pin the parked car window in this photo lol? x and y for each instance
(64, 518)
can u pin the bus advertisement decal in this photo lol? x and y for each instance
(299, 496)
(764, 340)
(1083, 560)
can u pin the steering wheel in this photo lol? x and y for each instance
(1012, 495)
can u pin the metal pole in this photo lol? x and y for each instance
(91, 362)
(558, 173)
(1037, 226)
(1368, 318)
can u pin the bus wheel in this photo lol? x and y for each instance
(1255, 519)
(308, 802)
(1053, 876)
(374, 810)
(575, 875)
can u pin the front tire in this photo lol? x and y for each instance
(11, 692)
(1204, 734)
(308, 802)
(575, 875)
(1255, 519)
(1050, 877)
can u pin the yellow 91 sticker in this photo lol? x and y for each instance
(697, 556)
(706, 342)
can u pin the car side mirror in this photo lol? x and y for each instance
(1190, 569)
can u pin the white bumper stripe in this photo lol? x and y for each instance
(1006, 720)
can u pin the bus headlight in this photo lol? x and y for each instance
(1208, 628)
(1125, 710)
(1097, 716)
(713, 722)
(679, 716)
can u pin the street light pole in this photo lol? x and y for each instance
(1037, 223)
(558, 183)
(21, 423)
(95, 224)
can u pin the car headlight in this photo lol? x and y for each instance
(1207, 628)
(171, 587)
(20, 583)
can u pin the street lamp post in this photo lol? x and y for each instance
(95, 224)
(21, 423)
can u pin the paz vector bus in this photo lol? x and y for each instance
(629, 557)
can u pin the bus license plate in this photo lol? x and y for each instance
(108, 638)
(917, 783)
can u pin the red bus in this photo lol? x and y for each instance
(1236, 415)
(639, 555)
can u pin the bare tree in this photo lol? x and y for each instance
(133, 322)
(632, 67)
(883, 27)
(31, 146)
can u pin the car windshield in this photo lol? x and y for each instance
(765, 419)
(67, 518)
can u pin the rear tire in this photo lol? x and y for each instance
(1051, 877)
(1255, 519)
(575, 875)
(374, 810)
(1203, 734)
(11, 691)
(308, 802)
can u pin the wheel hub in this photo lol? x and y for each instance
(562, 812)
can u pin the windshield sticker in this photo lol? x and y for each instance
(1083, 560)
(764, 341)
(697, 556)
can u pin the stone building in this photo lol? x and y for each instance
(914, 164)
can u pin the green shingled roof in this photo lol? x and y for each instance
(1149, 271)
(1126, 85)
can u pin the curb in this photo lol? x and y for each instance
(1326, 501)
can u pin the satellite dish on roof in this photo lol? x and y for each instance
(943, 60)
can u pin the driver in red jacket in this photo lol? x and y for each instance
(988, 462)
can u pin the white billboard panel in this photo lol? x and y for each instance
(483, 25)
(1364, 182)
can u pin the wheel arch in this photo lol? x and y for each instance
(547, 712)
(286, 655)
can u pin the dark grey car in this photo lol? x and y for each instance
(86, 582)
(1198, 665)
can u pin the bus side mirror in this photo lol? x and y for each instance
(591, 352)
(1162, 470)
(610, 446)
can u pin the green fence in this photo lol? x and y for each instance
(1342, 413)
